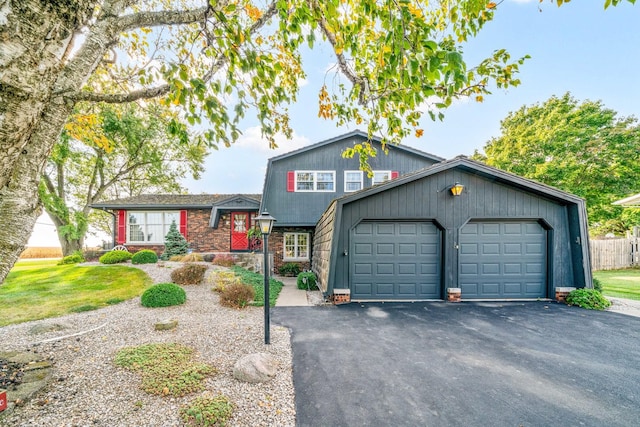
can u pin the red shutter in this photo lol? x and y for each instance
(394, 174)
(122, 228)
(291, 181)
(183, 223)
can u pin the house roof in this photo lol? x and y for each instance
(631, 201)
(360, 133)
(473, 166)
(165, 201)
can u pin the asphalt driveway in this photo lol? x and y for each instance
(467, 364)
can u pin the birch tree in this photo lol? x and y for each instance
(395, 61)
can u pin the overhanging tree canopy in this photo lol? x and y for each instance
(216, 60)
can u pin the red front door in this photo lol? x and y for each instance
(240, 223)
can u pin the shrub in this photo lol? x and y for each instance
(237, 295)
(224, 260)
(192, 258)
(290, 269)
(256, 280)
(588, 298)
(307, 280)
(114, 257)
(176, 258)
(75, 258)
(145, 256)
(189, 274)
(174, 243)
(221, 279)
(597, 285)
(163, 295)
(207, 411)
(166, 369)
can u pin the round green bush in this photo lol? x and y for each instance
(145, 256)
(114, 257)
(588, 298)
(71, 259)
(307, 280)
(163, 295)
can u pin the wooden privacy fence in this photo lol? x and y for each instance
(610, 254)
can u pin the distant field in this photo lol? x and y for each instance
(41, 252)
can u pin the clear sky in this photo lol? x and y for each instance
(578, 48)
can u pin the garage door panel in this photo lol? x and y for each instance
(405, 259)
(490, 269)
(384, 269)
(430, 269)
(491, 249)
(469, 268)
(512, 249)
(408, 228)
(513, 268)
(363, 288)
(363, 249)
(468, 248)
(385, 289)
(363, 268)
(511, 262)
(407, 269)
(407, 249)
(406, 289)
(383, 229)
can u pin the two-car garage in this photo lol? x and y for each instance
(402, 260)
(411, 238)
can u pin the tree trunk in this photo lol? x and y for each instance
(35, 76)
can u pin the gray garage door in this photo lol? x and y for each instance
(503, 259)
(395, 261)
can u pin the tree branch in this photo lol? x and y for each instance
(161, 18)
(154, 92)
(342, 62)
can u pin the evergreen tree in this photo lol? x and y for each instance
(174, 243)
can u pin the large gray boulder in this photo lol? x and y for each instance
(255, 368)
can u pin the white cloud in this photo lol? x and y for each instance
(252, 138)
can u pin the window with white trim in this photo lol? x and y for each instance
(352, 181)
(380, 176)
(315, 181)
(296, 247)
(150, 227)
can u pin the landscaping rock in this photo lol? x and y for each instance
(47, 327)
(255, 368)
(23, 374)
(166, 325)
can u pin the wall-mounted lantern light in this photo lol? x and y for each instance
(457, 188)
(265, 221)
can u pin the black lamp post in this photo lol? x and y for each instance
(265, 221)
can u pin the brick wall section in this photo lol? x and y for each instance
(276, 243)
(201, 237)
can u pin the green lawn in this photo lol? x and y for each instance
(41, 289)
(620, 283)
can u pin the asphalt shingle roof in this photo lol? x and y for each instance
(171, 201)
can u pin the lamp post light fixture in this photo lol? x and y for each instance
(457, 188)
(265, 222)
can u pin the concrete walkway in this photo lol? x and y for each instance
(290, 295)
